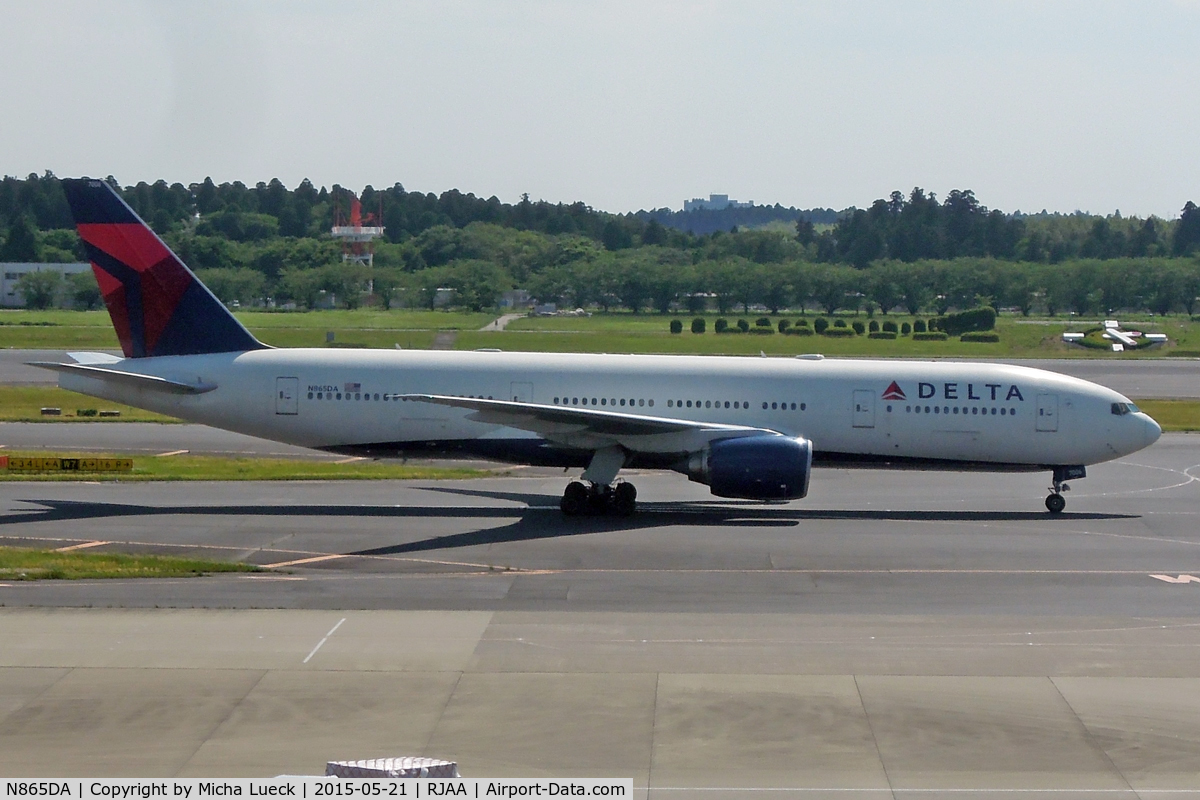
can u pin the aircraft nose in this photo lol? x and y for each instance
(1152, 429)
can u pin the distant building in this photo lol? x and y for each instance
(11, 272)
(715, 202)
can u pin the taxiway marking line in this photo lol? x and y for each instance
(1180, 579)
(313, 560)
(171, 453)
(318, 647)
(83, 546)
(350, 460)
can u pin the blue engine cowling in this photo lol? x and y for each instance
(754, 467)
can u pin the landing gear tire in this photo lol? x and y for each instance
(598, 500)
(624, 500)
(1055, 503)
(575, 499)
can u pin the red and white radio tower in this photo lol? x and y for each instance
(357, 239)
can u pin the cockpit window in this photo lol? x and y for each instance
(1132, 408)
(1121, 409)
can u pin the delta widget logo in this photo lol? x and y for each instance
(894, 392)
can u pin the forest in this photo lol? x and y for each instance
(267, 245)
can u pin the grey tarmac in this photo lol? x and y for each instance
(896, 634)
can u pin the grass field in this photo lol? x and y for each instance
(63, 330)
(219, 468)
(19, 564)
(1173, 415)
(617, 332)
(25, 404)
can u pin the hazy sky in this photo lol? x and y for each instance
(1087, 105)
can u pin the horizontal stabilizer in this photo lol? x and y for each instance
(151, 382)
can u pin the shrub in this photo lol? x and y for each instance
(905, 329)
(859, 328)
(820, 325)
(801, 323)
(882, 335)
(975, 319)
(980, 336)
(762, 322)
(743, 326)
(799, 331)
(762, 331)
(931, 336)
(839, 332)
(784, 325)
(919, 326)
(873, 327)
(890, 326)
(698, 325)
(676, 326)
(721, 326)
(839, 323)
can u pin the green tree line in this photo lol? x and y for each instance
(913, 253)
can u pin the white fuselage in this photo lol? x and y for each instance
(937, 414)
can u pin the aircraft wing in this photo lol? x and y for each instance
(591, 429)
(138, 380)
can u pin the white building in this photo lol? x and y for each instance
(11, 272)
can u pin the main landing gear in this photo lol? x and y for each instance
(598, 499)
(1055, 503)
(598, 493)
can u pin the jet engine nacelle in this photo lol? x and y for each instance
(754, 467)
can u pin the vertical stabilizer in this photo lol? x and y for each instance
(158, 306)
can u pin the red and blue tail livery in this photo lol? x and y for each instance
(157, 305)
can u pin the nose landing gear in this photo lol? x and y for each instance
(1055, 503)
(599, 499)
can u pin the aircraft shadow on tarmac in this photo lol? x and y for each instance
(539, 518)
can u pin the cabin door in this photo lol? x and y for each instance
(864, 408)
(287, 395)
(1047, 412)
(522, 392)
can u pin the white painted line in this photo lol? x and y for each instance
(69, 548)
(350, 460)
(171, 453)
(313, 560)
(318, 647)
(1180, 579)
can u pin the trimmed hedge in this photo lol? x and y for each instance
(840, 332)
(919, 326)
(676, 326)
(820, 325)
(930, 336)
(980, 336)
(890, 326)
(882, 335)
(784, 324)
(797, 331)
(905, 329)
(859, 328)
(743, 326)
(721, 326)
(960, 322)
(698, 325)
